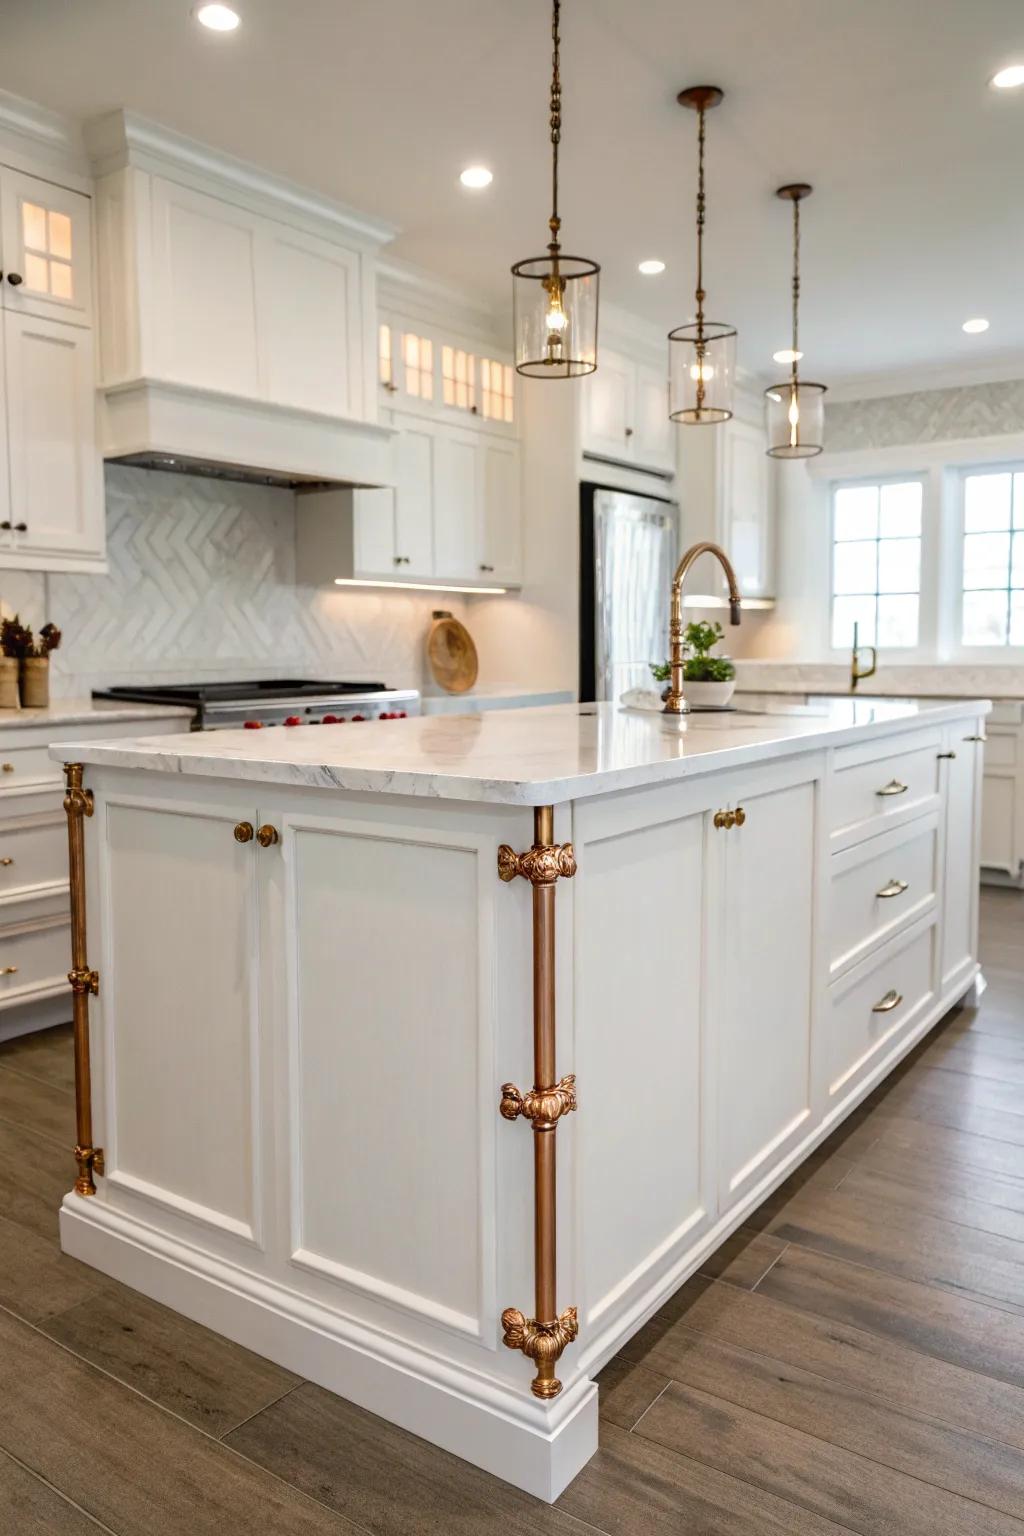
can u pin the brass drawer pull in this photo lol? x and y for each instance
(887, 1003)
(893, 888)
(267, 836)
(8, 767)
(975, 738)
(6, 862)
(894, 787)
(243, 832)
(8, 970)
(741, 816)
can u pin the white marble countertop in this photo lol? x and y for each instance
(920, 680)
(62, 712)
(514, 757)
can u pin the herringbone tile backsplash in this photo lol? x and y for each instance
(201, 584)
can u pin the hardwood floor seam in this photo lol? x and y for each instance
(651, 1404)
(249, 1418)
(64, 1498)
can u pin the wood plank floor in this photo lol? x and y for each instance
(851, 1361)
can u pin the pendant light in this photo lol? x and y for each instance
(795, 411)
(555, 296)
(702, 354)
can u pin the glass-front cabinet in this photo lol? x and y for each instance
(47, 265)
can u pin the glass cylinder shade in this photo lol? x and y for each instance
(701, 372)
(554, 300)
(795, 419)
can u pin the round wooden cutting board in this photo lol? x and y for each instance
(452, 654)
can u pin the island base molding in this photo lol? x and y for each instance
(536, 1447)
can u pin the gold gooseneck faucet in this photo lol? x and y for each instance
(675, 704)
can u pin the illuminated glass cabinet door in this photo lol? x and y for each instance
(47, 258)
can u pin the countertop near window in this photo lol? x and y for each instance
(954, 681)
(62, 712)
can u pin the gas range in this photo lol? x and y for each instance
(274, 701)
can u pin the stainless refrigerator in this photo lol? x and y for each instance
(627, 559)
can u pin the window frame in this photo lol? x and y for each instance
(956, 649)
(904, 653)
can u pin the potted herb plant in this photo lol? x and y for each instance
(708, 681)
(35, 668)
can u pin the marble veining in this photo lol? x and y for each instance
(514, 757)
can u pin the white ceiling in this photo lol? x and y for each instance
(917, 220)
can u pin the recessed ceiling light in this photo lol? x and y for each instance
(651, 268)
(219, 18)
(1010, 77)
(787, 355)
(975, 327)
(476, 176)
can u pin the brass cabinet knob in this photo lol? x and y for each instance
(243, 832)
(894, 787)
(6, 862)
(739, 816)
(721, 819)
(267, 836)
(8, 970)
(886, 1004)
(8, 767)
(15, 279)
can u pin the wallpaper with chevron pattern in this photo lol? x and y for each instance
(201, 585)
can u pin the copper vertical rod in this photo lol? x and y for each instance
(545, 1256)
(78, 804)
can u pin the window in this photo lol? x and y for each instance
(418, 360)
(876, 563)
(458, 378)
(993, 571)
(497, 383)
(46, 236)
(384, 363)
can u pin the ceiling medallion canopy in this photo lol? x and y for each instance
(795, 410)
(555, 296)
(701, 354)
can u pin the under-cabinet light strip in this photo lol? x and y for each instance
(412, 586)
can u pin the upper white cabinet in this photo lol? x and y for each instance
(310, 303)
(51, 478)
(727, 494)
(46, 249)
(625, 413)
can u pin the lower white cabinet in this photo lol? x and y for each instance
(51, 478)
(1002, 817)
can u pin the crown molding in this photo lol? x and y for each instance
(1004, 368)
(422, 295)
(41, 135)
(121, 139)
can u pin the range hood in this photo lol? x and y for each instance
(160, 425)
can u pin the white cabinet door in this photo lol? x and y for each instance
(762, 952)
(374, 550)
(205, 291)
(414, 503)
(457, 476)
(193, 1144)
(960, 860)
(501, 546)
(746, 510)
(310, 322)
(56, 485)
(608, 406)
(654, 438)
(46, 249)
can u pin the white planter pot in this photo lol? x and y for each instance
(708, 695)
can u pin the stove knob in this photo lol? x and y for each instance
(293, 720)
(402, 715)
(358, 717)
(385, 715)
(252, 725)
(330, 720)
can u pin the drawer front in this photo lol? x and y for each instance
(874, 1004)
(33, 960)
(32, 855)
(29, 764)
(878, 888)
(866, 796)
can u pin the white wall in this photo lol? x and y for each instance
(202, 585)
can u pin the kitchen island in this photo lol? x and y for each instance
(356, 986)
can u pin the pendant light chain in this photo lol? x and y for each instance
(796, 285)
(556, 120)
(701, 205)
